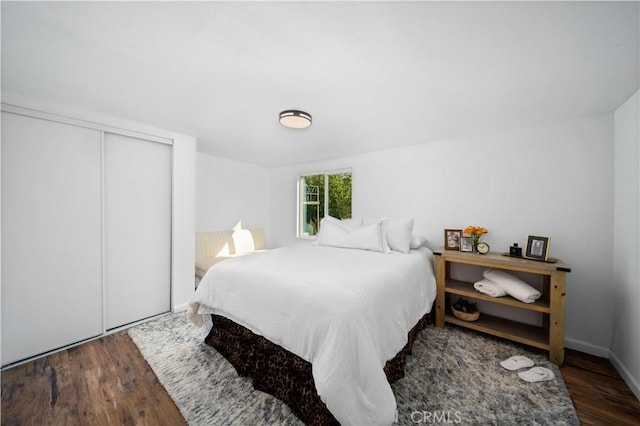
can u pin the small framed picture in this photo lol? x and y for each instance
(537, 247)
(452, 239)
(466, 243)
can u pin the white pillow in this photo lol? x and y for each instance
(330, 230)
(333, 233)
(384, 220)
(354, 222)
(243, 241)
(398, 234)
(418, 241)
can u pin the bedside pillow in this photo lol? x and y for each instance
(398, 234)
(354, 222)
(330, 230)
(368, 221)
(333, 233)
(418, 241)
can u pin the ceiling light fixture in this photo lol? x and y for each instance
(295, 119)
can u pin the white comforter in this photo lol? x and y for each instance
(345, 311)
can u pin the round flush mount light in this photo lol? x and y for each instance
(295, 119)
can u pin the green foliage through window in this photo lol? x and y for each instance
(340, 195)
(314, 198)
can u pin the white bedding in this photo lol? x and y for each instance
(345, 311)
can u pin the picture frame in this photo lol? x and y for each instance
(466, 244)
(537, 248)
(452, 239)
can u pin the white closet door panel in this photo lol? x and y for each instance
(51, 235)
(137, 229)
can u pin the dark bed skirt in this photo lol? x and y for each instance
(286, 376)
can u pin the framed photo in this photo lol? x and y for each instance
(466, 244)
(537, 248)
(452, 239)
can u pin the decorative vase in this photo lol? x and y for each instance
(476, 241)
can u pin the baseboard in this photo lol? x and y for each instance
(586, 347)
(631, 381)
(181, 307)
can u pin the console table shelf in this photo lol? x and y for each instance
(466, 289)
(550, 336)
(508, 329)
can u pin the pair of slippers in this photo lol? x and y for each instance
(535, 374)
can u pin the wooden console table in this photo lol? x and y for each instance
(550, 305)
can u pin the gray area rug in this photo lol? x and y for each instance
(453, 377)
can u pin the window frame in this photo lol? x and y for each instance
(299, 196)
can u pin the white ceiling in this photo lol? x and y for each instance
(374, 75)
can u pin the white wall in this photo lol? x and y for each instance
(552, 180)
(231, 192)
(625, 343)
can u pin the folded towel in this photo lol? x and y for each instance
(490, 288)
(513, 285)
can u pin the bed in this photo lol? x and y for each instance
(346, 317)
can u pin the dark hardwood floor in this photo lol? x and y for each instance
(600, 395)
(107, 382)
(102, 382)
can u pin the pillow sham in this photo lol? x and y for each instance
(330, 230)
(398, 234)
(418, 241)
(354, 222)
(335, 234)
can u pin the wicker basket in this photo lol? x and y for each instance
(465, 316)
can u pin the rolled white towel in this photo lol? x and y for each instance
(513, 285)
(489, 288)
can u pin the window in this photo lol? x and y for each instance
(320, 195)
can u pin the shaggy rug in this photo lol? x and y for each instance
(453, 377)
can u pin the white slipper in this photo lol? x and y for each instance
(536, 374)
(516, 362)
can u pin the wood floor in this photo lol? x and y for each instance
(598, 392)
(107, 382)
(102, 382)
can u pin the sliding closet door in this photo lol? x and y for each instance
(137, 228)
(51, 235)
